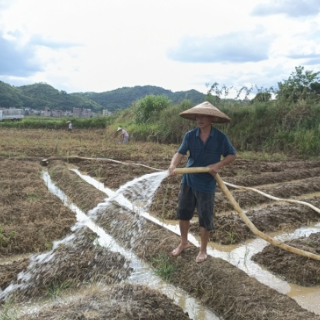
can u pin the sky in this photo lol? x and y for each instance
(179, 45)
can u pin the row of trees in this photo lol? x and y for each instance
(302, 84)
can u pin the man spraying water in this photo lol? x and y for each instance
(206, 146)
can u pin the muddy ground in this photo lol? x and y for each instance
(31, 219)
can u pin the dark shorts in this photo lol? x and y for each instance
(190, 199)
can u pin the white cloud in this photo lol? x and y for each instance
(101, 45)
(234, 47)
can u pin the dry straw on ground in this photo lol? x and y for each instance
(38, 218)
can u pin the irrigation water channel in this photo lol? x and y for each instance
(239, 255)
(143, 189)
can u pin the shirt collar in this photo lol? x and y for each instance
(198, 132)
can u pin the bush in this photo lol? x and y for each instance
(149, 108)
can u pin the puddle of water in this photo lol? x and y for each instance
(308, 298)
(8, 260)
(240, 257)
(308, 196)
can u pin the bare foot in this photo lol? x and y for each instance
(202, 256)
(180, 248)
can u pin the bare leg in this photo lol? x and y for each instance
(184, 244)
(204, 235)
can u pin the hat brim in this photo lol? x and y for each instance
(217, 116)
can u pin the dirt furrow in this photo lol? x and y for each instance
(221, 286)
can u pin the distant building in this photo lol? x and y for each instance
(106, 112)
(86, 113)
(57, 113)
(46, 112)
(82, 113)
(77, 112)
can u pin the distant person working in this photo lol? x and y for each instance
(124, 134)
(69, 126)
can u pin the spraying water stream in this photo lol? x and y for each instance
(142, 273)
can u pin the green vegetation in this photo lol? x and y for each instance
(41, 95)
(4, 239)
(163, 267)
(300, 85)
(35, 122)
(9, 311)
(123, 98)
(276, 123)
(57, 288)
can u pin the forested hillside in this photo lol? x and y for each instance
(41, 95)
(124, 97)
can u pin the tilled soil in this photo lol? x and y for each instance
(293, 268)
(31, 219)
(74, 262)
(123, 302)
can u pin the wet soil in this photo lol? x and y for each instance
(31, 219)
(123, 302)
(293, 268)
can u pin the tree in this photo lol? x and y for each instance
(261, 97)
(149, 108)
(302, 84)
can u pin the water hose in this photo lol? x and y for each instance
(44, 162)
(243, 216)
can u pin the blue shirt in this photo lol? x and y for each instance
(203, 154)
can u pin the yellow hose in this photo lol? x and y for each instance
(243, 216)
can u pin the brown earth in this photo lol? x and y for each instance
(31, 219)
(293, 268)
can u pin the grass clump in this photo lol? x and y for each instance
(9, 311)
(57, 288)
(163, 267)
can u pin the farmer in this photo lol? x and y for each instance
(206, 145)
(69, 126)
(124, 134)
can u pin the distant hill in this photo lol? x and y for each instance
(40, 95)
(124, 97)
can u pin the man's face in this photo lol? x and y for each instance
(204, 121)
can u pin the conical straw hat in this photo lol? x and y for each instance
(205, 109)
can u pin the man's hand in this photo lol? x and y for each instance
(214, 168)
(176, 159)
(170, 169)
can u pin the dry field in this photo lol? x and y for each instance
(32, 218)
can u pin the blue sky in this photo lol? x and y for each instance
(102, 45)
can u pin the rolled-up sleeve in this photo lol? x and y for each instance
(184, 147)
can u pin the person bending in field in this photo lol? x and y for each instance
(207, 147)
(124, 134)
